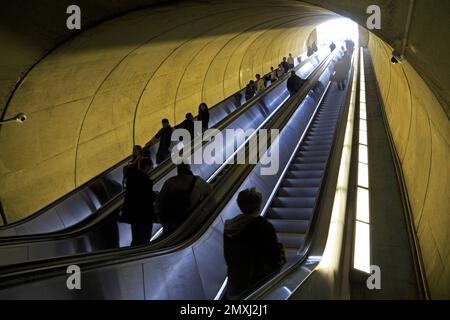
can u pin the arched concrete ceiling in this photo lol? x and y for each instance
(101, 92)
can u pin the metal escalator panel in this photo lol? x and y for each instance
(292, 208)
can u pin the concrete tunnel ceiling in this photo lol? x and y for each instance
(108, 88)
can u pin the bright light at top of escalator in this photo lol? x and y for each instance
(337, 30)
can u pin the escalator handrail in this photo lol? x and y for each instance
(91, 181)
(155, 175)
(53, 266)
(259, 290)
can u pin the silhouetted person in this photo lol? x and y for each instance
(136, 156)
(251, 247)
(188, 124)
(285, 65)
(250, 90)
(179, 196)
(332, 46)
(294, 83)
(164, 135)
(290, 61)
(310, 51)
(138, 208)
(340, 74)
(203, 115)
(314, 47)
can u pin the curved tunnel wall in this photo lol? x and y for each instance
(421, 133)
(95, 96)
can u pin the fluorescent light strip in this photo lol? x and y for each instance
(361, 253)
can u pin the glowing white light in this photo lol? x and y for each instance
(337, 30)
(362, 205)
(363, 175)
(362, 247)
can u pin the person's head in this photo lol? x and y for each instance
(290, 55)
(284, 59)
(183, 168)
(271, 68)
(249, 201)
(165, 123)
(258, 76)
(137, 151)
(189, 116)
(252, 82)
(293, 73)
(202, 106)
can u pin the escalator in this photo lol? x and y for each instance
(194, 268)
(100, 232)
(85, 201)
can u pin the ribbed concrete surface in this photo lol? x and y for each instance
(95, 96)
(421, 133)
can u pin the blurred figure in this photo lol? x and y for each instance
(285, 65)
(203, 115)
(250, 90)
(179, 196)
(273, 75)
(280, 71)
(332, 46)
(251, 246)
(340, 74)
(188, 124)
(164, 135)
(138, 208)
(259, 84)
(290, 61)
(309, 52)
(314, 47)
(294, 83)
(136, 156)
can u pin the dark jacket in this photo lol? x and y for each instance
(249, 91)
(188, 125)
(139, 198)
(251, 251)
(341, 70)
(203, 116)
(286, 66)
(164, 135)
(294, 84)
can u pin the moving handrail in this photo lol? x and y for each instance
(191, 230)
(100, 190)
(305, 260)
(64, 243)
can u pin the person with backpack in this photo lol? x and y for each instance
(251, 248)
(179, 196)
(138, 208)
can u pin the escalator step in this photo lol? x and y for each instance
(300, 160)
(314, 153)
(290, 213)
(297, 192)
(291, 240)
(293, 202)
(319, 147)
(307, 166)
(304, 174)
(317, 142)
(290, 226)
(300, 183)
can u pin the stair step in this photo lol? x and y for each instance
(300, 160)
(300, 183)
(293, 202)
(314, 153)
(315, 147)
(290, 213)
(298, 174)
(297, 192)
(291, 240)
(307, 166)
(290, 226)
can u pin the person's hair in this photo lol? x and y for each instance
(249, 201)
(144, 163)
(165, 121)
(258, 75)
(290, 54)
(284, 58)
(201, 105)
(189, 116)
(138, 148)
(183, 168)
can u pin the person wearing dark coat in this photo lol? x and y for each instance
(340, 73)
(294, 83)
(250, 90)
(332, 46)
(251, 246)
(203, 115)
(164, 135)
(285, 64)
(138, 208)
(188, 124)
